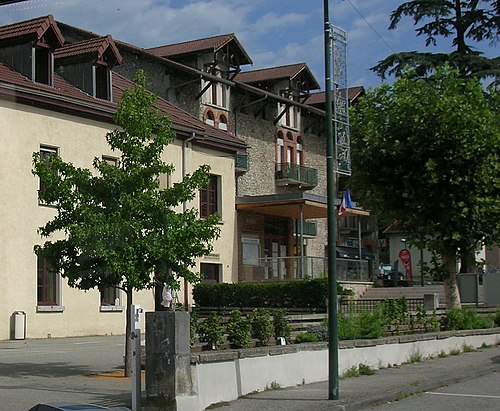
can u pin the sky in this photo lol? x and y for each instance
(273, 32)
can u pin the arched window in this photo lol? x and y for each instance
(223, 122)
(280, 147)
(299, 154)
(210, 118)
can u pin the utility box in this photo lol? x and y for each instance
(491, 288)
(431, 302)
(19, 325)
(468, 285)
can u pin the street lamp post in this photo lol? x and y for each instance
(333, 341)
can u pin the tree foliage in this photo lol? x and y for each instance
(119, 226)
(460, 20)
(426, 154)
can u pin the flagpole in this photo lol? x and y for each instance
(333, 341)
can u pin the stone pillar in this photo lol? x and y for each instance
(168, 359)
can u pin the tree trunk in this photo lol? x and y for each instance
(128, 329)
(450, 281)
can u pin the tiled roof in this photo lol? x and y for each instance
(63, 89)
(98, 45)
(320, 97)
(210, 43)
(276, 73)
(35, 27)
(193, 46)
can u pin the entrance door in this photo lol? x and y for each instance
(275, 247)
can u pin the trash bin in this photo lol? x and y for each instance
(19, 325)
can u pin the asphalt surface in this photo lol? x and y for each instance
(386, 385)
(88, 370)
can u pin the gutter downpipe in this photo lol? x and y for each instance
(184, 205)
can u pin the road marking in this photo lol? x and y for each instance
(463, 395)
(88, 342)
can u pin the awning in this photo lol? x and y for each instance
(352, 253)
(288, 205)
(285, 205)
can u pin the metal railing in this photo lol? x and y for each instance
(290, 173)
(296, 268)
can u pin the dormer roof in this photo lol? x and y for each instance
(208, 44)
(96, 47)
(33, 29)
(319, 99)
(273, 74)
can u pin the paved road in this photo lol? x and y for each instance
(482, 393)
(33, 371)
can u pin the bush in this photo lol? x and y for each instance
(320, 331)
(307, 293)
(280, 323)
(262, 327)
(496, 319)
(466, 319)
(365, 325)
(306, 337)
(239, 330)
(210, 331)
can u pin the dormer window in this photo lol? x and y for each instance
(102, 82)
(216, 93)
(42, 64)
(291, 115)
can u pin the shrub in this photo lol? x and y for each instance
(262, 328)
(319, 330)
(466, 319)
(307, 293)
(210, 330)
(366, 324)
(306, 337)
(497, 319)
(239, 330)
(280, 323)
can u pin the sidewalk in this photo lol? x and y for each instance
(357, 393)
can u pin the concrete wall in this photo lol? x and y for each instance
(250, 370)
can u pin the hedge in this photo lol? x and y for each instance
(312, 294)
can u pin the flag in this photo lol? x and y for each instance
(345, 203)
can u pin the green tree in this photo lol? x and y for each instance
(460, 20)
(117, 227)
(426, 154)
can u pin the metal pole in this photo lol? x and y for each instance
(333, 341)
(135, 341)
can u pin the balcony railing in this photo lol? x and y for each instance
(291, 174)
(241, 162)
(309, 228)
(295, 268)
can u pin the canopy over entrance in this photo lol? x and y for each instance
(292, 205)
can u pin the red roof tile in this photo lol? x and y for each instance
(98, 45)
(320, 97)
(276, 73)
(35, 27)
(207, 44)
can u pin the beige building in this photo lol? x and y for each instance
(60, 97)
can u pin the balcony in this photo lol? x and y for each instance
(291, 174)
(241, 162)
(309, 228)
